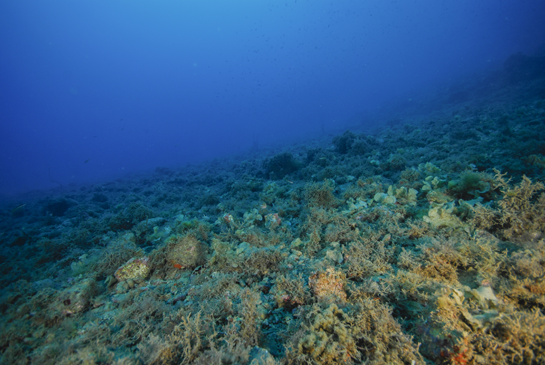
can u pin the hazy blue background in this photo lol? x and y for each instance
(132, 85)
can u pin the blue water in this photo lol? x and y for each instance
(93, 90)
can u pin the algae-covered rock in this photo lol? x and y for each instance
(272, 220)
(296, 243)
(185, 252)
(485, 296)
(354, 206)
(328, 284)
(328, 340)
(252, 218)
(384, 198)
(245, 249)
(334, 256)
(404, 195)
(442, 215)
(428, 168)
(134, 269)
(260, 356)
(437, 197)
(75, 299)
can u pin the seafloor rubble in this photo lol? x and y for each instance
(422, 243)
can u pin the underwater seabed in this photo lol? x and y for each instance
(421, 244)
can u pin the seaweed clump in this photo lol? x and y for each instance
(281, 165)
(518, 213)
(344, 143)
(362, 332)
(472, 184)
(321, 195)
